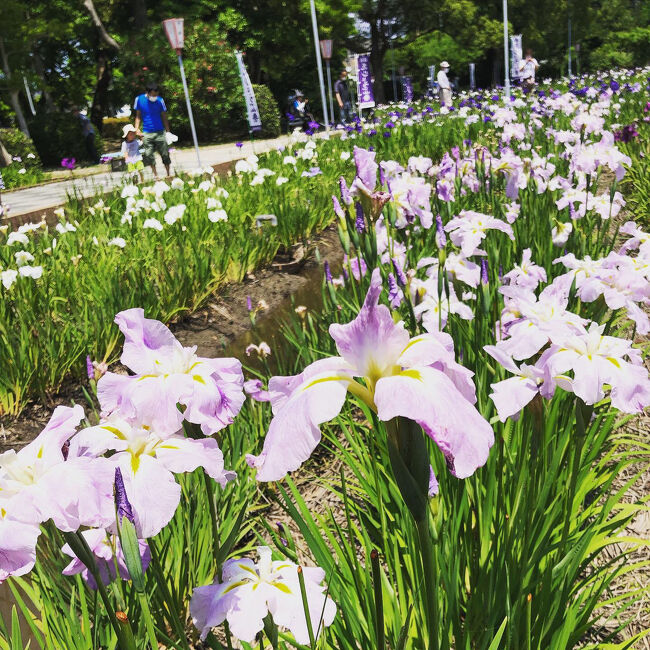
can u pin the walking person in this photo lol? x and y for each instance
(342, 93)
(151, 113)
(88, 134)
(527, 69)
(444, 85)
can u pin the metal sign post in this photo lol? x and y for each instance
(319, 63)
(326, 51)
(506, 56)
(174, 30)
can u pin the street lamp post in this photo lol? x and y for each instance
(506, 53)
(314, 25)
(174, 30)
(326, 51)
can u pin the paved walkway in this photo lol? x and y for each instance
(32, 199)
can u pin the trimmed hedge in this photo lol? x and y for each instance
(269, 113)
(112, 127)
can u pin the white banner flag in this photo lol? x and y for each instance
(254, 120)
(515, 56)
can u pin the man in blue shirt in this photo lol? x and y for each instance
(151, 112)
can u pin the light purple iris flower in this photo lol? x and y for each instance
(468, 230)
(168, 374)
(416, 378)
(249, 591)
(366, 178)
(255, 390)
(39, 482)
(108, 554)
(511, 395)
(596, 361)
(148, 460)
(17, 547)
(527, 274)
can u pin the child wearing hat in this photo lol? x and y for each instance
(131, 151)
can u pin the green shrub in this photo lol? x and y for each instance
(112, 129)
(269, 112)
(19, 145)
(57, 136)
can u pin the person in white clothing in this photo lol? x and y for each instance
(444, 85)
(527, 69)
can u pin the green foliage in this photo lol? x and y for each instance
(27, 169)
(18, 144)
(57, 136)
(523, 554)
(269, 113)
(212, 78)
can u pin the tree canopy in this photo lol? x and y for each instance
(99, 53)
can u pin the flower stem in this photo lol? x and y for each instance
(122, 627)
(431, 606)
(305, 605)
(379, 599)
(209, 489)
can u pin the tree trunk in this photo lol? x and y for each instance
(5, 156)
(103, 34)
(40, 71)
(377, 62)
(140, 14)
(13, 94)
(100, 98)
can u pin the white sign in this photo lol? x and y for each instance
(174, 30)
(254, 120)
(515, 56)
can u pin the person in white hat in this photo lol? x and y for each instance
(444, 85)
(131, 151)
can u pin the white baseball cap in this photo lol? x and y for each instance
(444, 64)
(127, 129)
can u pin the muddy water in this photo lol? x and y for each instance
(221, 327)
(268, 327)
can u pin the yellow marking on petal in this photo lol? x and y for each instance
(353, 386)
(614, 361)
(411, 343)
(247, 568)
(116, 432)
(135, 462)
(40, 453)
(412, 373)
(146, 376)
(3, 512)
(322, 380)
(196, 363)
(282, 587)
(199, 379)
(234, 585)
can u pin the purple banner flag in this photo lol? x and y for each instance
(364, 83)
(407, 89)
